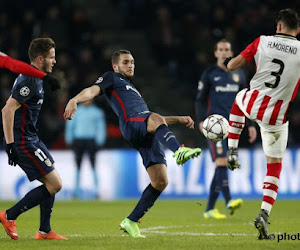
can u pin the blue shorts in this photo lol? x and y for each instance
(136, 134)
(34, 159)
(217, 149)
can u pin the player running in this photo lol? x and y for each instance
(272, 91)
(141, 128)
(24, 148)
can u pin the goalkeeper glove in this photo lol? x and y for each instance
(52, 82)
(13, 155)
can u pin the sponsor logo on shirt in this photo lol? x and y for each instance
(24, 91)
(217, 78)
(128, 87)
(40, 101)
(227, 88)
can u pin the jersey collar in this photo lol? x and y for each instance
(124, 77)
(285, 36)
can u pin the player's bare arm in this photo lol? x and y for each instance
(85, 95)
(236, 63)
(8, 114)
(252, 134)
(187, 120)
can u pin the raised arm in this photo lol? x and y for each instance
(19, 67)
(85, 95)
(235, 62)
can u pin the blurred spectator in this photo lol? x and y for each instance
(85, 134)
(180, 35)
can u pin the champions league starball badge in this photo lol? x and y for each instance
(24, 91)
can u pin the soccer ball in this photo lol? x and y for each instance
(215, 128)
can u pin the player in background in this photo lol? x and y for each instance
(24, 148)
(84, 134)
(217, 89)
(142, 129)
(19, 67)
(272, 91)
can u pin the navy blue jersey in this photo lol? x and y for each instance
(122, 96)
(29, 92)
(217, 90)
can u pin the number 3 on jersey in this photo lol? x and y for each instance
(276, 74)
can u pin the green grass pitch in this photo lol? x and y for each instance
(170, 224)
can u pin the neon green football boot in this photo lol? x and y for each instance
(183, 154)
(233, 205)
(132, 228)
(214, 213)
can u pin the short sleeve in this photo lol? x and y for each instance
(3, 57)
(24, 90)
(105, 82)
(251, 50)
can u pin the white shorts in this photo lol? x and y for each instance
(274, 139)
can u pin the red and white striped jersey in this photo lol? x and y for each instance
(276, 80)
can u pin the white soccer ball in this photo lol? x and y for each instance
(215, 128)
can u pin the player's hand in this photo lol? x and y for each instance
(252, 133)
(188, 121)
(70, 110)
(13, 155)
(52, 82)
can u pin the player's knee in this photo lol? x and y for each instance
(54, 188)
(154, 121)
(160, 185)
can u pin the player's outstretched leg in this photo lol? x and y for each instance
(183, 154)
(261, 224)
(232, 205)
(131, 227)
(232, 159)
(9, 226)
(49, 236)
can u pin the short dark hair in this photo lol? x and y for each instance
(224, 40)
(40, 47)
(289, 17)
(115, 56)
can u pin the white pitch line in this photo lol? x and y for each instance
(155, 230)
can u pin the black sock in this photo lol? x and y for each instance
(46, 209)
(166, 137)
(30, 200)
(147, 200)
(213, 193)
(222, 182)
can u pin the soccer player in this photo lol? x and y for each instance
(217, 89)
(272, 91)
(24, 148)
(19, 67)
(141, 128)
(85, 133)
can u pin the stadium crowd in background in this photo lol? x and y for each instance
(180, 35)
